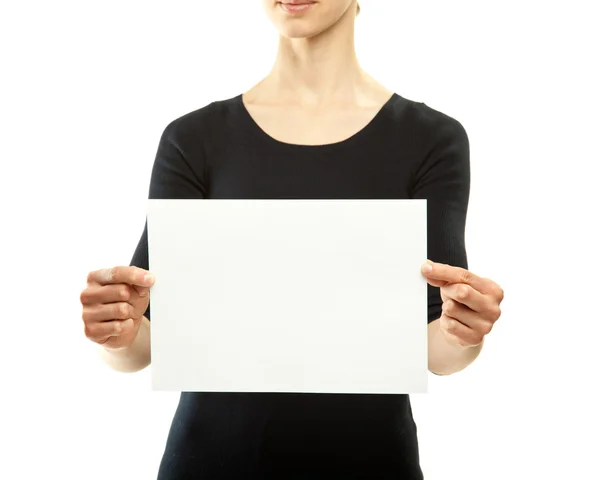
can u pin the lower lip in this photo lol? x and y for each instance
(298, 8)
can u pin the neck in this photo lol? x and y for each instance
(320, 70)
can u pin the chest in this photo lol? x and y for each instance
(302, 126)
(274, 152)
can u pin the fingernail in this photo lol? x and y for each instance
(149, 278)
(427, 267)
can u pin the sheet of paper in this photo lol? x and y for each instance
(315, 296)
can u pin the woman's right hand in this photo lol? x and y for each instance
(114, 303)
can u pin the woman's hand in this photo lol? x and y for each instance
(114, 303)
(471, 304)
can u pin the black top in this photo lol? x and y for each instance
(408, 150)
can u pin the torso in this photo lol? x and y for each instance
(233, 150)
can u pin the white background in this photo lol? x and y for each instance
(87, 88)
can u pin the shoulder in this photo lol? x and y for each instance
(201, 123)
(439, 127)
(427, 123)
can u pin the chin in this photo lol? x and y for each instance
(301, 25)
(304, 28)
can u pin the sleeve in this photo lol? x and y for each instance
(174, 175)
(443, 178)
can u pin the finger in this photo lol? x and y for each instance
(451, 308)
(106, 294)
(497, 291)
(459, 332)
(436, 283)
(451, 274)
(465, 294)
(130, 275)
(109, 311)
(140, 292)
(100, 332)
(486, 306)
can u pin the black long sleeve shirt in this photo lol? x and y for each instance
(408, 150)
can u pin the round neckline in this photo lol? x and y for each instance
(258, 130)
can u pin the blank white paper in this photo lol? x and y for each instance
(314, 296)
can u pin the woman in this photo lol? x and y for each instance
(317, 126)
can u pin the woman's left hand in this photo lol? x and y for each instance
(471, 304)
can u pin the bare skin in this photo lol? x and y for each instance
(114, 302)
(295, 123)
(470, 309)
(316, 92)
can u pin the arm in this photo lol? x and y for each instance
(177, 173)
(134, 358)
(442, 176)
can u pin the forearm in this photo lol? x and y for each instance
(445, 357)
(134, 358)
